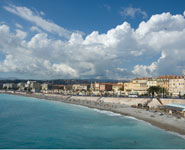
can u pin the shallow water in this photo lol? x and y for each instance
(35, 123)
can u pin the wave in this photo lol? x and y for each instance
(177, 134)
(81, 106)
(109, 113)
(130, 117)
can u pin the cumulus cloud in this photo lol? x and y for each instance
(46, 25)
(143, 70)
(155, 48)
(20, 34)
(162, 22)
(132, 12)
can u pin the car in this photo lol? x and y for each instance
(132, 95)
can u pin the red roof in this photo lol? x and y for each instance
(57, 85)
(141, 78)
(166, 77)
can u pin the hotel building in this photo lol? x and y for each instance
(177, 86)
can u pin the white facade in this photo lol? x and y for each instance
(80, 87)
(9, 86)
(151, 82)
(95, 86)
(21, 86)
(177, 86)
(33, 86)
(45, 86)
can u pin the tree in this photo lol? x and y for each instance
(163, 91)
(155, 90)
(120, 89)
(90, 92)
(113, 90)
(128, 91)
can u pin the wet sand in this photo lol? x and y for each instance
(166, 122)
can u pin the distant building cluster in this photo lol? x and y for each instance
(172, 86)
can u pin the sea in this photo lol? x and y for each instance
(31, 123)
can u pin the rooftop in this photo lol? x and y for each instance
(174, 106)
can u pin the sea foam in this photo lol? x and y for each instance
(109, 113)
(130, 117)
(177, 134)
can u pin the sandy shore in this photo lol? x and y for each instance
(166, 122)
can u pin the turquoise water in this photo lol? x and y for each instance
(35, 123)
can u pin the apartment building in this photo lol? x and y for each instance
(101, 87)
(33, 86)
(58, 89)
(177, 86)
(163, 81)
(95, 86)
(80, 87)
(9, 86)
(117, 87)
(46, 86)
(139, 86)
(128, 88)
(151, 82)
(21, 86)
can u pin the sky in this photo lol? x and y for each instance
(91, 39)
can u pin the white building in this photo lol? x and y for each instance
(21, 86)
(152, 82)
(33, 86)
(9, 86)
(46, 86)
(95, 86)
(177, 86)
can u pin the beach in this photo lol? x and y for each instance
(118, 105)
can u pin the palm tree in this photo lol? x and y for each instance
(163, 91)
(154, 90)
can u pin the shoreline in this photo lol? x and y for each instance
(165, 122)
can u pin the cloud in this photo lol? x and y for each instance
(20, 34)
(144, 71)
(35, 29)
(42, 13)
(107, 7)
(18, 25)
(132, 12)
(46, 25)
(162, 22)
(155, 48)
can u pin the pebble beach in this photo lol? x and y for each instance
(121, 106)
